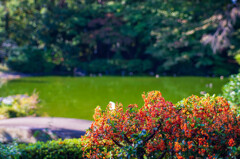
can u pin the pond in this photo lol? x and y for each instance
(77, 97)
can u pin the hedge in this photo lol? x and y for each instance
(69, 148)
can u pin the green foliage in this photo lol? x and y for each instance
(9, 151)
(134, 66)
(67, 34)
(98, 66)
(237, 57)
(116, 66)
(18, 106)
(231, 91)
(70, 148)
(29, 60)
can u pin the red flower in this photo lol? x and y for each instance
(231, 142)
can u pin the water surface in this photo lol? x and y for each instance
(77, 97)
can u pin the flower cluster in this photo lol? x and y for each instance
(209, 127)
(195, 127)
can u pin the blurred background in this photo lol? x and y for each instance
(53, 41)
(184, 37)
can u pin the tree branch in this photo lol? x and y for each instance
(127, 139)
(179, 110)
(118, 144)
(153, 134)
(163, 154)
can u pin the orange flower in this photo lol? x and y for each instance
(200, 140)
(192, 125)
(162, 145)
(177, 147)
(190, 144)
(179, 156)
(231, 142)
(170, 144)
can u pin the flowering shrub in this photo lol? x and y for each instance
(231, 91)
(18, 106)
(196, 127)
(209, 128)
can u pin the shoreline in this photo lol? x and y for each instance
(10, 76)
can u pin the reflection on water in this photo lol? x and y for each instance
(2, 81)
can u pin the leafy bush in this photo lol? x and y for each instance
(99, 66)
(210, 128)
(147, 65)
(116, 66)
(197, 127)
(139, 66)
(18, 106)
(134, 66)
(9, 151)
(29, 60)
(70, 148)
(231, 91)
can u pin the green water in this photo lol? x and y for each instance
(77, 97)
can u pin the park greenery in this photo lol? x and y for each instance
(183, 37)
(164, 38)
(18, 106)
(196, 127)
(9, 151)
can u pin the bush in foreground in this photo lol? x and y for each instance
(70, 148)
(196, 127)
(9, 151)
(210, 128)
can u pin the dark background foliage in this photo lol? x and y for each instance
(184, 37)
